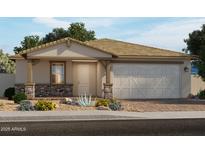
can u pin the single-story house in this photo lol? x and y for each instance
(103, 68)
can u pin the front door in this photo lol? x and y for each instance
(84, 77)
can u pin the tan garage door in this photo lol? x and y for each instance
(141, 81)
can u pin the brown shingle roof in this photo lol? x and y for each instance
(129, 49)
(53, 43)
(63, 40)
(114, 47)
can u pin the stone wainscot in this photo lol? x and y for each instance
(48, 90)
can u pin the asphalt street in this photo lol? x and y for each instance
(102, 123)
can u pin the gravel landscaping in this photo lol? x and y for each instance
(163, 105)
(7, 105)
(127, 105)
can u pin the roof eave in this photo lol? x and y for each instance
(15, 57)
(187, 57)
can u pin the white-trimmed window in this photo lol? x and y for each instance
(57, 72)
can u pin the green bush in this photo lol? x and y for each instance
(43, 105)
(201, 94)
(19, 97)
(102, 102)
(26, 105)
(114, 105)
(9, 92)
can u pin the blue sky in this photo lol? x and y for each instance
(167, 33)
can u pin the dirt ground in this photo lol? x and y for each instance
(163, 105)
(7, 105)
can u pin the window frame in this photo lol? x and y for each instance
(64, 66)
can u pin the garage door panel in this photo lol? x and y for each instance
(146, 81)
(146, 93)
(153, 93)
(124, 93)
(121, 67)
(171, 93)
(138, 83)
(117, 92)
(171, 82)
(122, 82)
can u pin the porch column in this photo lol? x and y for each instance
(30, 85)
(108, 84)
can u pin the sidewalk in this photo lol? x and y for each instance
(17, 116)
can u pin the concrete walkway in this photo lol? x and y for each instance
(17, 116)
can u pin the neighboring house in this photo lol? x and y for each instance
(197, 84)
(6, 80)
(102, 68)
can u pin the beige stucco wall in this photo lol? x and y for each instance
(185, 79)
(197, 84)
(74, 50)
(41, 71)
(6, 81)
(69, 71)
(21, 71)
(41, 74)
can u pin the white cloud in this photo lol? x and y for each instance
(169, 35)
(51, 22)
(90, 23)
(98, 22)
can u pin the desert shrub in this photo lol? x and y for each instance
(201, 94)
(9, 92)
(114, 105)
(102, 102)
(43, 105)
(26, 105)
(19, 97)
(85, 101)
(66, 100)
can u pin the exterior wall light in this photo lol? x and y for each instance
(186, 69)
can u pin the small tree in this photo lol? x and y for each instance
(56, 34)
(79, 32)
(196, 46)
(76, 30)
(6, 65)
(28, 42)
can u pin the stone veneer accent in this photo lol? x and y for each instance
(108, 90)
(48, 90)
(30, 90)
